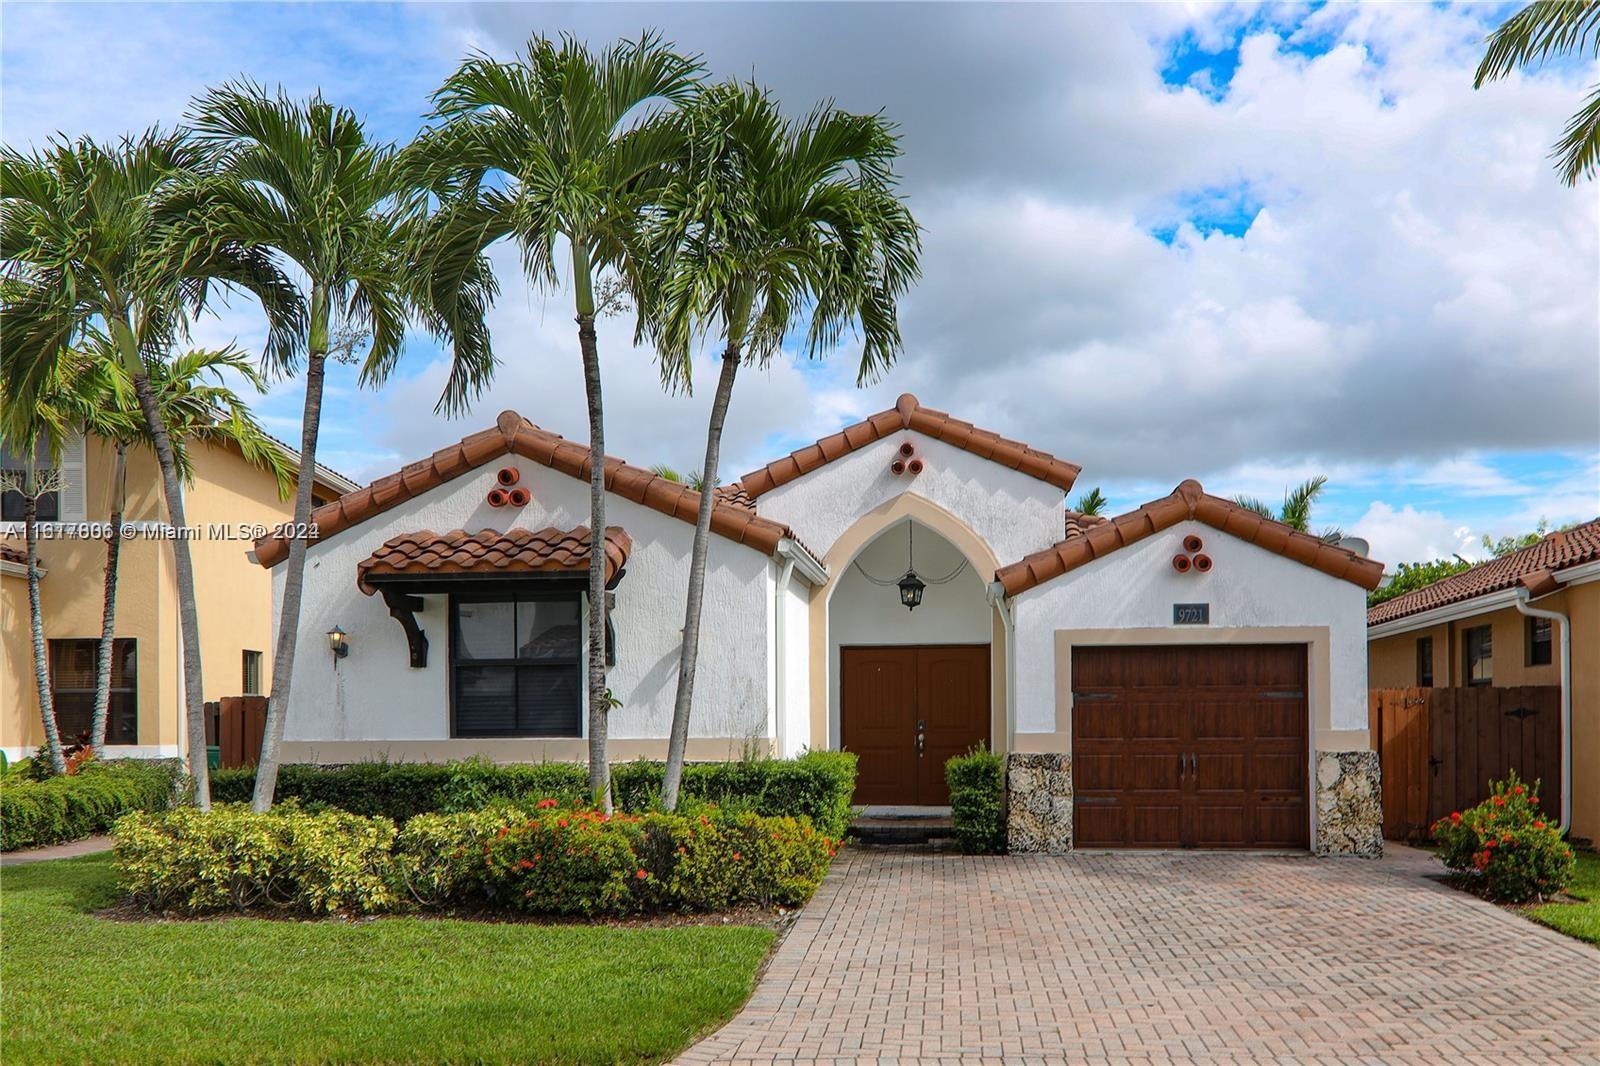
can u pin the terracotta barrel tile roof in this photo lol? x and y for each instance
(13, 555)
(1078, 523)
(1188, 501)
(491, 551)
(909, 414)
(1554, 553)
(514, 435)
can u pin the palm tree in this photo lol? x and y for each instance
(196, 406)
(1296, 510)
(576, 153)
(767, 224)
(1539, 31)
(303, 181)
(36, 423)
(83, 248)
(1093, 502)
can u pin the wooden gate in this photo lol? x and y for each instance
(235, 724)
(1440, 747)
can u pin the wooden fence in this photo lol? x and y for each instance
(235, 724)
(1440, 747)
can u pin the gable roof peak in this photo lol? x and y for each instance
(905, 405)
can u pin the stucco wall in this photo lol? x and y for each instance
(1016, 514)
(1392, 661)
(1135, 588)
(862, 613)
(373, 695)
(796, 704)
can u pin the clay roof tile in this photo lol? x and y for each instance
(1187, 501)
(522, 550)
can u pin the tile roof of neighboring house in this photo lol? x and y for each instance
(516, 550)
(8, 554)
(513, 434)
(1188, 501)
(735, 496)
(1555, 552)
(907, 413)
(1078, 523)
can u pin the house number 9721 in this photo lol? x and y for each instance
(1191, 614)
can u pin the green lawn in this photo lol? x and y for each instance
(1581, 920)
(74, 987)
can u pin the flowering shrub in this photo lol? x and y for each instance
(1506, 844)
(542, 859)
(232, 858)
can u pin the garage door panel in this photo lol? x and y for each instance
(1191, 746)
(1156, 825)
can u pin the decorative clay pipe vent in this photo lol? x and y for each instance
(1192, 543)
(915, 467)
(497, 498)
(508, 476)
(907, 449)
(1181, 563)
(519, 497)
(897, 467)
(1202, 563)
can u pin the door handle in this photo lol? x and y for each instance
(1194, 768)
(920, 745)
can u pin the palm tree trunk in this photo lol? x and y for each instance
(293, 578)
(108, 615)
(599, 701)
(689, 655)
(41, 673)
(182, 564)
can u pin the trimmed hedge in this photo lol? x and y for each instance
(402, 790)
(59, 809)
(816, 785)
(550, 860)
(977, 800)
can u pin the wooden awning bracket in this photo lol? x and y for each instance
(403, 608)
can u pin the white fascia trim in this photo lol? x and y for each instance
(1490, 601)
(18, 569)
(808, 566)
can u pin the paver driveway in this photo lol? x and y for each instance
(920, 957)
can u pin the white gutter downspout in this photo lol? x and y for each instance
(1008, 624)
(781, 658)
(1523, 596)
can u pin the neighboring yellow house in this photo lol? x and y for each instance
(1466, 630)
(227, 503)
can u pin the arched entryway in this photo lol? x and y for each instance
(908, 688)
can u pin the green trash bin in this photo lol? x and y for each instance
(214, 756)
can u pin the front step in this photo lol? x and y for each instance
(901, 825)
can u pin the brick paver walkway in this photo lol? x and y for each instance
(924, 957)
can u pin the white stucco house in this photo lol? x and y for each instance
(1187, 674)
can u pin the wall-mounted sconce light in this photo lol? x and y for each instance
(338, 643)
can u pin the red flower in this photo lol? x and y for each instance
(641, 875)
(546, 803)
(562, 822)
(525, 864)
(1455, 818)
(738, 857)
(1533, 800)
(1517, 790)
(1537, 824)
(1489, 843)
(1499, 801)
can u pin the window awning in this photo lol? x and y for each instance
(417, 559)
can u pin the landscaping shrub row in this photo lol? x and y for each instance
(816, 785)
(550, 860)
(59, 809)
(977, 783)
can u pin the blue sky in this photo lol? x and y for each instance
(1241, 243)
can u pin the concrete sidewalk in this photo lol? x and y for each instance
(86, 846)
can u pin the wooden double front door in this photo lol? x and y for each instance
(1202, 746)
(905, 710)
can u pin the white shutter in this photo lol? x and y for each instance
(74, 505)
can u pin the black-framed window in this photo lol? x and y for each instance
(72, 674)
(516, 665)
(1477, 658)
(1540, 640)
(250, 682)
(11, 501)
(1424, 662)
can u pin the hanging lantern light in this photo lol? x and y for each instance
(911, 586)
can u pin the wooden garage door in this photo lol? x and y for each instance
(1190, 747)
(905, 710)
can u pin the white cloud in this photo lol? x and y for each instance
(1406, 535)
